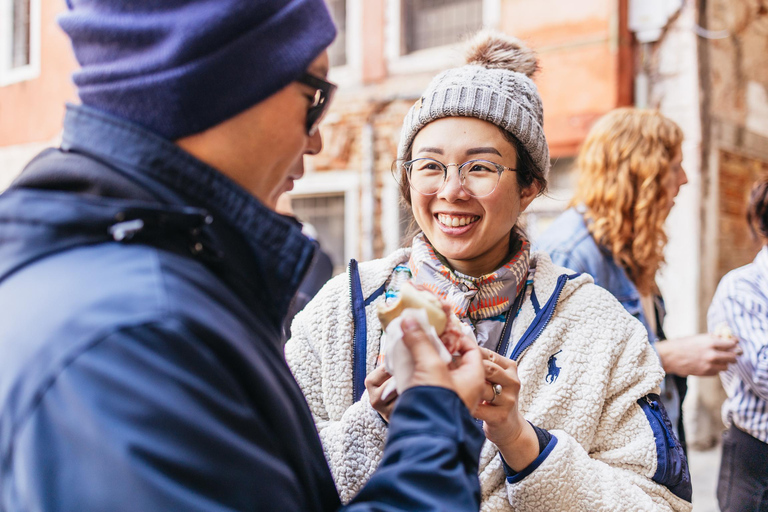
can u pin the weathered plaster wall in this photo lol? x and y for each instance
(586, 64)
(738, 122)
(673, 73)
(31, 111)
(585, 54)
(731, 47)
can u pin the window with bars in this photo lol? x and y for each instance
(337, 52)
(19, 49)
(325, 213)
(430, 23)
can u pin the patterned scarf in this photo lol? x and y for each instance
(479, 301)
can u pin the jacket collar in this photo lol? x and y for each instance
(251, 242)
(761, 260)
(576, 229)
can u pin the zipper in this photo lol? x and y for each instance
(542, 319)
(359, 332)
(671, 464)
(512, 313)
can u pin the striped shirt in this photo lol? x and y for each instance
(741, 302)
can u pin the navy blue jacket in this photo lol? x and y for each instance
(142, 295)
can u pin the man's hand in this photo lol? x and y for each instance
(702, 354)
(466, 376)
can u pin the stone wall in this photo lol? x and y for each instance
(737, 51)
(736, 115)
(732, 39)
(737, 173)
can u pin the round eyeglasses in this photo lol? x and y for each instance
(478, 178)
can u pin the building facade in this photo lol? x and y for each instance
(701, 62)
(386, 54)
(35, 63)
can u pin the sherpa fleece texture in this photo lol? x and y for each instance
(605, 454)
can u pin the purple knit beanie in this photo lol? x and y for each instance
(178, 67)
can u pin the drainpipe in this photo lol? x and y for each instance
(367, 192)
(642, 82)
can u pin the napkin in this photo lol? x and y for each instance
(397, 358)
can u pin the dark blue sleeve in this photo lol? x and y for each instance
(430, 462)
(148, 420)
(545, 441)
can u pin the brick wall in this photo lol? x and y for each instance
(737, 173)
(736, 144)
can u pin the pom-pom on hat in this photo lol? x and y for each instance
(179, 67)
(495, 85)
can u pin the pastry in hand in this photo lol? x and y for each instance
(723, 331)
(411, 297)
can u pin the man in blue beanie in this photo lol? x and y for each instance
(144, 278)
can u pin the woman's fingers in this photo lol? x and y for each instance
(501, 378)
(497, 367)
(492, 393)
(493, 357)
(377, 377)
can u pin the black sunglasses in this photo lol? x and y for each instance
(322, 100)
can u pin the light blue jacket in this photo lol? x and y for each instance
(569, 244)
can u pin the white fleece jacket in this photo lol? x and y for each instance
(605, 453)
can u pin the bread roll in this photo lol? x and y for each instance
(411, 297)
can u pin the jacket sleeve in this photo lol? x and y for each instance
(146, 419)
(430, 462)
(352, 433)
(633, 460)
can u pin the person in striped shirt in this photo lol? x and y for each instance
(740, 309)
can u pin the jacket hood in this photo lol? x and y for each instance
(38, 223)
(547, 273)
(66, 199)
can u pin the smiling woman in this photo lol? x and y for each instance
(568, 413)
(467, 216)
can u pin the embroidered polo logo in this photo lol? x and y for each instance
(553, 371)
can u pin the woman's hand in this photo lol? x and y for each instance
(702, 354)
(504, 425)
(465, 375)
(375, 383)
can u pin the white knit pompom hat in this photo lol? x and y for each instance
(494, 86)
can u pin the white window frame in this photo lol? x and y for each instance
(337, 182)
(430, 59)
(350, 73)
(32, 70)
(390, 215)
